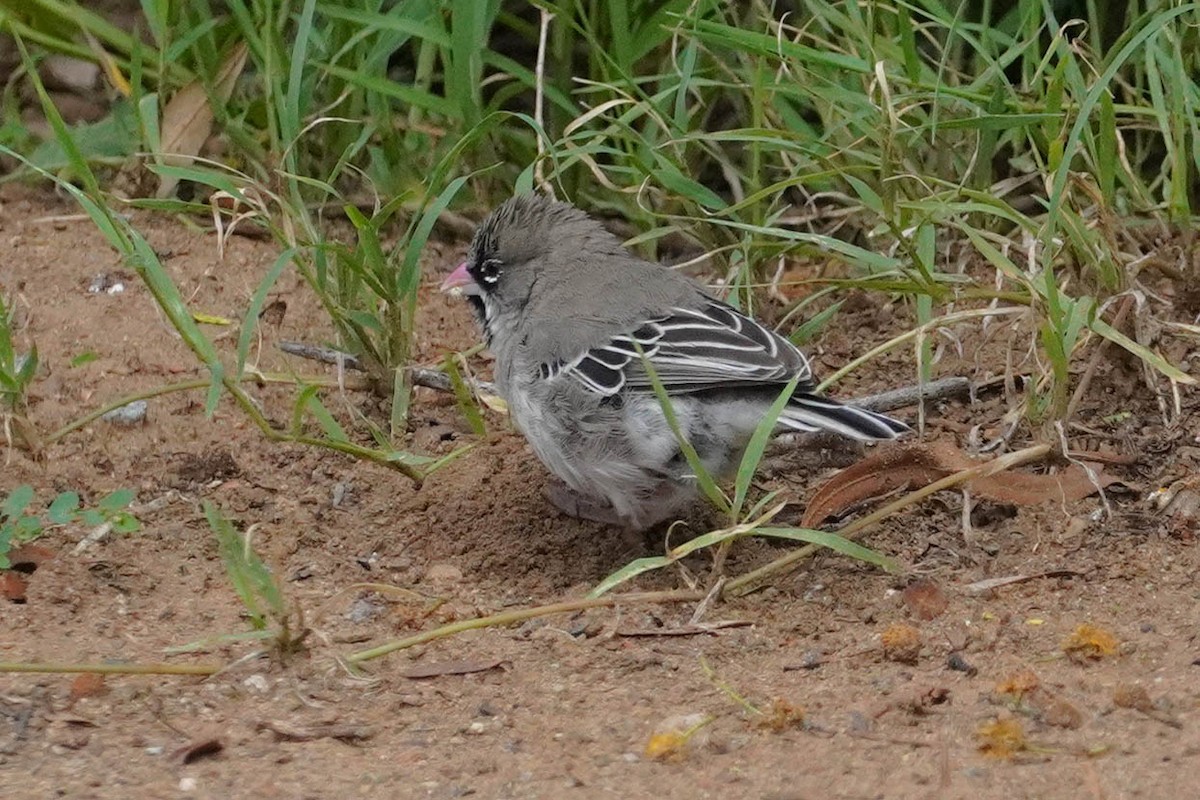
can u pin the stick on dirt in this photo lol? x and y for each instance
(934, 391)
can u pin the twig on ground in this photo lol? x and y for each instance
(111, 669)
(429, 378)
(934, 391)
(326, 355)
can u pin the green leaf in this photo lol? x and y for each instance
(239, 563)
(27, 528)
(86, 357)
(62, 509)
(16, 502)
(116, 501)
(112, 139)
(328, 424)
(808, 330)
(836, 543)
(124, 522)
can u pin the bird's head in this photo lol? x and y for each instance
(515, 246)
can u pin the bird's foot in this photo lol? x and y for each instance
(581, 506)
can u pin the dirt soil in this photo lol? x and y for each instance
(802, 700)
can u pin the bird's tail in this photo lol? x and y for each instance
(807, 412)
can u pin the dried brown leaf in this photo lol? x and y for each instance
(925, 599)
(199, 748)
(87, 684)
(450, 668)
(13, 586)
(987, 584)
(188, 117)
(918, 465)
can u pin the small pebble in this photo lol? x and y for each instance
(187, 784)
(257, 683)
(131, 414)
(811, 659)
(957, 663)
(443, 573)
(362, 610)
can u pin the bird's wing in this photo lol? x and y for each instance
(691, 350)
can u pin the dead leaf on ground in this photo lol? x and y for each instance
(188, 118)
(87, 684)
(300, 732)
(68, 718)
(1181, 499)
(199, 748)
(1018, 684)
(925, 599)
(450, 668)
(914, 466)
(13, 586)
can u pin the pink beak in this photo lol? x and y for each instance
(461, 279)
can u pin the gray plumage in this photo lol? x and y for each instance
(569, 313)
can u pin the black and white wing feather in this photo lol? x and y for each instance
(691, 350)
(716, 347)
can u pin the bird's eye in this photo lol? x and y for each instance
(489, 271)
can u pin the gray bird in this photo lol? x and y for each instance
(565, 309)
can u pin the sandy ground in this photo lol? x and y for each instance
(802, 699)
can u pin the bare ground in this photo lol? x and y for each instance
(571, 702)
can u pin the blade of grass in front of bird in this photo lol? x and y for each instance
(462, 394)
(758, 445)
(703, 478)
(806, 331)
